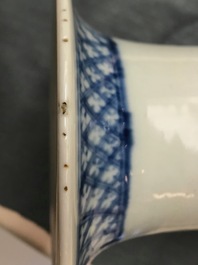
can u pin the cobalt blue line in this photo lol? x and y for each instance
(91, 184)
(128, 133)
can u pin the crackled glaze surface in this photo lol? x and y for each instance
(105, 140)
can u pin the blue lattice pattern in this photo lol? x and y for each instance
(105, 143)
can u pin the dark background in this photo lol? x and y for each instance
(26, 41)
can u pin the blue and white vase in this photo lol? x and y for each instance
(127, 140)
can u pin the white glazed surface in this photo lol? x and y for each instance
(67, 174)
(163, 99)
(162, 93)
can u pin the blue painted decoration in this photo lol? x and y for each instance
(105, 142)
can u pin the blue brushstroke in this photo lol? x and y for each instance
(106, 139)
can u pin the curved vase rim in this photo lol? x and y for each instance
(67, 158)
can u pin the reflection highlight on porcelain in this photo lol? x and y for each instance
(132, 140)
(170, 195)
(163, 94)
(177, 121)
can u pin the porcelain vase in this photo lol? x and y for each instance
(125, 138)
